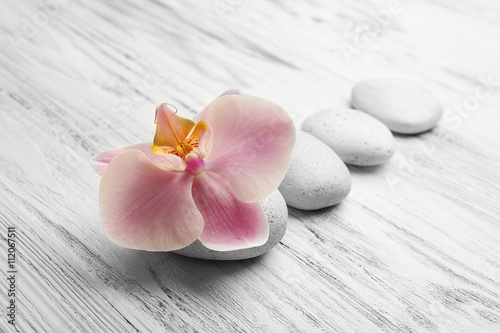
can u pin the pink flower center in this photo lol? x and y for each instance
(194, 163)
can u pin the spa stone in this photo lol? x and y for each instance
(358, 138)
(316, 176)
(401, 105)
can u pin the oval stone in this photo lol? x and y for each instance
(277, 217)
(403, 106)
(316, 176)
(358, 138)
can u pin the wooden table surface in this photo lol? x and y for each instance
(414, 248)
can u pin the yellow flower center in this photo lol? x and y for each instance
(176, 135)
(182, 149)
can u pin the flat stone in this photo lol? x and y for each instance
(316, 176)
(356, 137)
(277, 217)
(403, 106)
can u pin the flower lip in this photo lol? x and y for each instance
(176, 135)
(171, 129)
(167, 105)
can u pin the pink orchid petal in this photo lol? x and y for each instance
(252, 142)
(206, 140)
(201, 116)
(144, 207)
(100, 161)
(205, 143)
(230, 224)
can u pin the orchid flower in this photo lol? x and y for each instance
(200, 180)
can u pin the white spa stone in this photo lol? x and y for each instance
(403, 106)
(277, 217)
(316, 176)
(356, 137)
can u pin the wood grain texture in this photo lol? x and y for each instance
(414, 248)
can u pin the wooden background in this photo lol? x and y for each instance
(414, 248)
